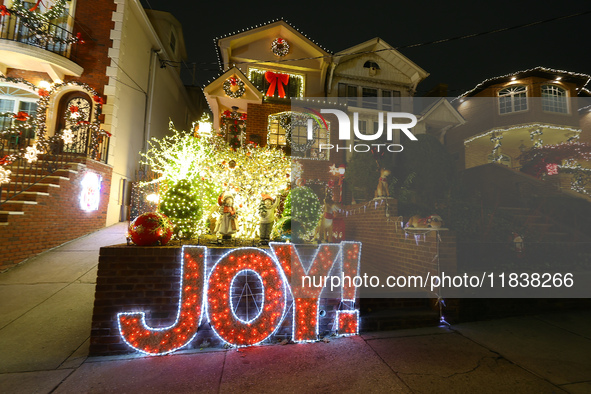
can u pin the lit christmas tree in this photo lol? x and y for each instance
(181, 204)
(305, 212)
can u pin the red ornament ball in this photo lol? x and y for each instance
(150, 229)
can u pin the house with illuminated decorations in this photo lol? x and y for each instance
(524, 146)
(509, 115)
(273, 75)
(83, 86)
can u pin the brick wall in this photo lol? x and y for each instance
(134, 278)
(55, 219)
(93, 20)
(258, 115)
(389, 250)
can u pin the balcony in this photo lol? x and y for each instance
(26, 49)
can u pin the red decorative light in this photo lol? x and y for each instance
(140, 336)
(348, 322)
(273, 275)
(305, 297)
(221, 315)
(351, 256)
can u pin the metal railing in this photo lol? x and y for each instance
(24, 175)
(83, 144)
(49, 37)
(55, 155)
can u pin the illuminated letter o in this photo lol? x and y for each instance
(223, 320)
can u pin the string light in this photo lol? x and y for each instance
(4, 175)
(215, 167)
(539, 68)
(307, 298)
(224, 322)
(347, 322)
(306, 210)
(524, 126)
(157, 341)
(234, 87)
(38, 22)
(213, 294)
(39, 125)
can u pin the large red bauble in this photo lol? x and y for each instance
(151, 228)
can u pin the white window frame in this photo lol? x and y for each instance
(549, 102)
(513, 94)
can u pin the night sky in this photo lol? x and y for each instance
(561, 44)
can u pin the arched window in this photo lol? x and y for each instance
(554, 99)
(289, 131)
(512, 99)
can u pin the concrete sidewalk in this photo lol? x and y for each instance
(45, 318)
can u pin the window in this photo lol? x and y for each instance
(554, 99)
(349, 94)
(385, 100)
(370, 64)
(513, 99)
(289, 131)
(13, 100)
(370, 98)
(293, 88)
(391, 100)
(363, 126)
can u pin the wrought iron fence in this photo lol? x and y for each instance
(83, 143)
(50, 37)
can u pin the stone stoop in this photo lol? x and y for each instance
(19, 203)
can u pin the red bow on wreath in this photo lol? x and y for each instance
(276, 80)
(21, 116)
(73, 109)
(233, 81)
(4, 11)
(99, 100)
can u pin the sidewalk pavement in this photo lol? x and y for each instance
(45, 317)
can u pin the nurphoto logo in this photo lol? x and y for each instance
(391, 124)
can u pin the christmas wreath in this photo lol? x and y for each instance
(293, 120)
(280, 47)
(234, 87)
